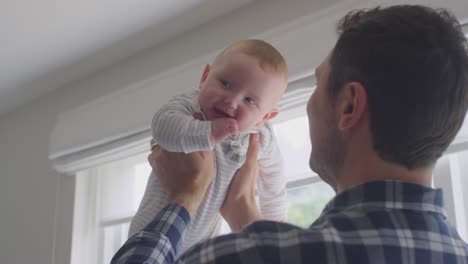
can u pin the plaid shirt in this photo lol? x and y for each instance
(375, 222)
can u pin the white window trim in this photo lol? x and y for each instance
(85, 219)
(464, 25)
(137, 142)
(87, 204)
(457, 196)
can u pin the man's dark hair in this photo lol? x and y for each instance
(413, 63)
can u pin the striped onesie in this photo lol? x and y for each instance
(175, 129)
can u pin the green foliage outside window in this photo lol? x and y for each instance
(305, 203)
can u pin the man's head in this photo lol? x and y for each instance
(245, 82)
(401, 73)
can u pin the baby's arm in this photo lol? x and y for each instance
(271, 183)
(221, 128)
(175, 128)
(178, 128)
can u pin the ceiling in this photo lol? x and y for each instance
(48, 43)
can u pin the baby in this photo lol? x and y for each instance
(237, 96)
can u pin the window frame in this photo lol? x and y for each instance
(450, 187)
(87, 181)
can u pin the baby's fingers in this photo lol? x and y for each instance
(198, 116)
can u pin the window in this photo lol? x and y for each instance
(110, 195)
(107, 196)
(117, 189)
(450, 175)
(307, 194)
(305, 203)
(121, 188)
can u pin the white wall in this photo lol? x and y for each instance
(31, 191)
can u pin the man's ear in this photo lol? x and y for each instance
(205, 74)
(268, 116)
(352, 105)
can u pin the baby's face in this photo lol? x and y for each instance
(237, 87)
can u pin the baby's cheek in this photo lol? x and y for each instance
(245, 124)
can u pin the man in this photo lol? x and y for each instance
(390, 98)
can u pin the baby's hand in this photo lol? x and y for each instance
(222, 128)
(198, 116)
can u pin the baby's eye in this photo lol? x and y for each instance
(249, 100)
(226, 84)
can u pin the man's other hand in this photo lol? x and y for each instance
(239, 207)
(185, 177)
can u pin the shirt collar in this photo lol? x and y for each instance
(386, 195)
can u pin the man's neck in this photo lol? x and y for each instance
(359, 169)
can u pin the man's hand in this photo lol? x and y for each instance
(240, 207)
(221, 128)
(184, 176)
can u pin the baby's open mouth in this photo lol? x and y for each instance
(221, 113)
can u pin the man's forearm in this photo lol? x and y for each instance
(246, 213)
(189, 202)
(159, 241)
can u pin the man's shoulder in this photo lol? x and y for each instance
(263, 226)
(260, 242)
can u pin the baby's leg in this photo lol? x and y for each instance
(154, 199)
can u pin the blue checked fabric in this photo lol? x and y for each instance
(375, 222)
